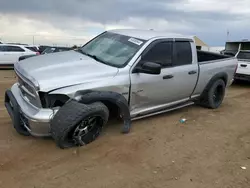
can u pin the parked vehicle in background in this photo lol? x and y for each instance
(9, 54)
(243, 70)
(240, 50)
(34, 48)
(55, 49)
(131, 74)
(47, 51)
(233, 47)
(42, 48)
(50, 49)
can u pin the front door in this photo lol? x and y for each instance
(174, 84)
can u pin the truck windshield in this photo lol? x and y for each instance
(243, 55)
(112, 49)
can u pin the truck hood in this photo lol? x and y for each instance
(61, 69)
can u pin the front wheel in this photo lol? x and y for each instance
(214, 96)
(77, 124)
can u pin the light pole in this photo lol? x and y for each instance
(227, 35)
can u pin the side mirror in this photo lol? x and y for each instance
(148, 68)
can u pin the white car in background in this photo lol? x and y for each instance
(10, 53)
(243, 70)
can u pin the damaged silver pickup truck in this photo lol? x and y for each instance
(130, 74)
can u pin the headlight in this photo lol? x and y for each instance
(52, 100)
(21, 73)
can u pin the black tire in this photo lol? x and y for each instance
(214, 95)
(71, 117)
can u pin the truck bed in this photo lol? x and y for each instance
(211, 64)
(210, 56)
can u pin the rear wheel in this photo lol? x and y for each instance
(77, 124)
(214, 96)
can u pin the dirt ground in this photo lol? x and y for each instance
(207, 151)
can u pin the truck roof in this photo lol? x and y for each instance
(148, 34)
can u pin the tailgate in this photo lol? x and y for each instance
(243, 67)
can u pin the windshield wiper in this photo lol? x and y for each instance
(95, 58)
(92, 56)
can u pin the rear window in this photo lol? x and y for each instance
(13, 49)
(243, 55)
(183, 54)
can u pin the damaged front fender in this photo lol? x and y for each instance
(117, 99)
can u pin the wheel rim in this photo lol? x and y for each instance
(218, 94)
(91, 124)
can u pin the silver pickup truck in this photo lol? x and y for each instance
(129, 74)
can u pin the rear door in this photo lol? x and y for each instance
(184, 69)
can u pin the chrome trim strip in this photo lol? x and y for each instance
(24, 124)
(27, 91)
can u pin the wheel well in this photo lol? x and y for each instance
(114, 110)
(214, 79)
(217, 77)
(224, 79)
(116, 103)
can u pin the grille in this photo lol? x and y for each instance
(27, 86)
(28, 92)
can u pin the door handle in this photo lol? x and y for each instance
(192, 72)
(243, 65)
(167, 77)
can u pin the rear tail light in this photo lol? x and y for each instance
(37, 53)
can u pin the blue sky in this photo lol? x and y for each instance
(76, 21)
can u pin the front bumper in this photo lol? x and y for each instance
(36, 120)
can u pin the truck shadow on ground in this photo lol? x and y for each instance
(241, 83)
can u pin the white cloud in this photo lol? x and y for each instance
(153, 23)
(232, 6)
(61, 22)
(25, 30)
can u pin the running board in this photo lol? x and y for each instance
(163, 111)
